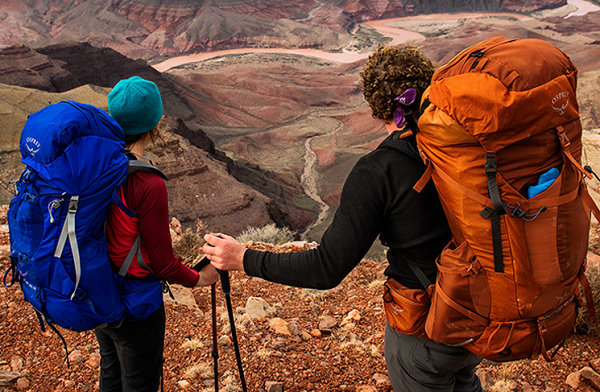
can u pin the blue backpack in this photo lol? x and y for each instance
(75, 162)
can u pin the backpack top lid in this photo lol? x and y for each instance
(73, 146)
(505, 90)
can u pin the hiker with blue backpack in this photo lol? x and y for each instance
(89, 231)
(132, 350)
(378, 200)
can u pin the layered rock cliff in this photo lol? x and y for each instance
(152, 28)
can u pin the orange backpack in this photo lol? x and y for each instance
(500, 114)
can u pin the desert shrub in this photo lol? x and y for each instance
(188, 247)
(270, 234)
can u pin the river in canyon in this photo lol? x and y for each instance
(385, 27)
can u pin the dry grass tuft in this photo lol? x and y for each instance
(270, 234)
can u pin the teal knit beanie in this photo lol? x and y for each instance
(136, 105)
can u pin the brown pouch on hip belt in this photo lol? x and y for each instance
(406, 309)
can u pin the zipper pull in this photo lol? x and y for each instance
(53, 205)
(478, 54)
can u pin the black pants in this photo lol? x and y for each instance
(132, 354)
(418, 365)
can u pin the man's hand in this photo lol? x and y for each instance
(224, 252)
(208, 276)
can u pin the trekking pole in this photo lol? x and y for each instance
(215, 351)
(226, 289)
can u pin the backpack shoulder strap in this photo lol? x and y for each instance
(141, 166)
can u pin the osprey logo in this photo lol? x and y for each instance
(560, 102)
(32, 145)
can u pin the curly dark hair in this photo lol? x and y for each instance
(391, 70)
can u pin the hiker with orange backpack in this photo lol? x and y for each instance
(378, 200)
(139, 242)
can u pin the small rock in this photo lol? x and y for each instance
(183, 384)
(381, 380)
(22, 383)
(16, 363)
(591, 376)
(247, 323)
(225, 340)
(485, 378)
(257, 308)
(294, 327)
(366, 388)
(93, 362)
(279, 344)
(596, 364)
(280, 326)
(526, 387)
(176, 226)
(69, 383)
(504, 385)
(352, 317)
(316, 333)
(327, 323)
(574, 380)
(273, 386)
(305, 335)
(76, 356)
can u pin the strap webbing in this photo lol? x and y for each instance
(68, 231)
(461, 309)
(127, 263)
(136, 248)
(499, 209)
(423, 279)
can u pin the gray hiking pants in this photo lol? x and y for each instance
(418, 365)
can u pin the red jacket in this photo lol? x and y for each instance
(146, 194)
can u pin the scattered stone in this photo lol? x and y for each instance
(305, 335)
(352, 317)
(381, 380)
(294, 327)
(76, 356)
(183, 384)
(257, 308)
(485, 378)
(22, 384)
(273, 386)
(596, 364)
(504, 385)
(176, 226)
(316, 333)
(574, 380)
(8, 378)
(246, 322)
(591, 376)
(280, 326)
(225, 340)
(327, 323)
(366, 388)
(526, 387)
(16, 364)
(279, 344)
(93, 362)
(182, 295)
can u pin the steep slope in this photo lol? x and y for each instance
(199, 186)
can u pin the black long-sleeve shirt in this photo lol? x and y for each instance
(377, 199)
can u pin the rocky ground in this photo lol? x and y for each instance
(290, 338)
